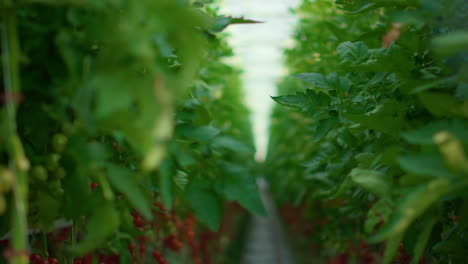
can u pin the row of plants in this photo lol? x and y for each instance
(371, 164)
(122, 133)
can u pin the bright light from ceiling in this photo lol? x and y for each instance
(259, 50)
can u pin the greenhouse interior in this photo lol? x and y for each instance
(234, 132)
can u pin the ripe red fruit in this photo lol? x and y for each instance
(53, 261)
(131, 249)
(343, 258)
(62, 235)
(172, 242)
(87, 259)
(93, 185)
(102, 259)
(115, 145)
(142, 250)
(35, 258)
(158, 257)
(366, 258)
(113, 259)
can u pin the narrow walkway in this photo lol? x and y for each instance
(266, 243)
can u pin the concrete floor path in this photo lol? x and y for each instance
(266, 242)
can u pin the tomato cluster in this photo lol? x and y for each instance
(37, 259)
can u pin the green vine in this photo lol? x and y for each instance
(18, 163)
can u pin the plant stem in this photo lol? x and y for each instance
(18, 162)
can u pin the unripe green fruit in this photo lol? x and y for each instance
(53, 161)
(67, 128)
(54, 184)
(39, 173)
(60, 173)
(56, 188)
(59, 141)
(59, 192)
(2, 204)
(6, 180)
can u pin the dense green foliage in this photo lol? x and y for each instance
(376, 150)
(108, 107)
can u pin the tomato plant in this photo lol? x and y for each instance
(122, 132)
(372, 163)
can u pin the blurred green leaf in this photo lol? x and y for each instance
(425, 134)
(102, 223)
(365, 7)
(201, 133)
(166, 174)
(423, 239)
(353, 51)
(443, 104)
(425, 164)
(206, 205)
(239, 185)
(451, 43)
(324, 126)
(387, 118)
(121, 178)
(220, 23)
(232, 144)
(413, 205)
(379, 213)
(392, 248)
(48, 211)
(374, 182)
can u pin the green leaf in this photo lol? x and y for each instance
(365, 159)
(220, 23)
(443, 104)
(412, 205)
(332, 82)
(461, 92)
(387, 118)
(308, 101)
(241, 186)
(451, 43)
(166, 173)
(47, 212)
(112, 95)
(374, 182)
(317, 79)
(121, 178)
(391, 249)
(423, 238)
(425, 164)
(441, 83)
(232, 144)
(206, 205)
(378, 77)
(425, 134)
(344, 186)
(364, 8)
(327, 152)
(181, 179)
(200, 134)
(241, 20)
(101, 225)
(299, 100)
(354, 52)
(324, 126)
(380, 212)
